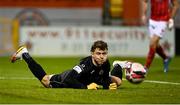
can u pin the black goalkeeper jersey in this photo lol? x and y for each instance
(83, 74)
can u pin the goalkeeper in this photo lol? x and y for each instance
(91, 72)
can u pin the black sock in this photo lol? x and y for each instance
(117, 71)
(35, 68)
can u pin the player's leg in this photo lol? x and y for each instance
(35, 68)
(46, 81)
(160, 51)
(157, 30)
(57, 80)
(166, 63)
(166, 59)
(152, 50)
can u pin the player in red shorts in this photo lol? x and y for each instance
(161, 18)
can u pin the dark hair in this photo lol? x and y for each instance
(99, 44)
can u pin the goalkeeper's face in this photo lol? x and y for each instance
(99, 56)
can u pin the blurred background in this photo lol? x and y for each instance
(69, 27)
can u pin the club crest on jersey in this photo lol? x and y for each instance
(101, 72)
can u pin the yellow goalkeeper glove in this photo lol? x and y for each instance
(113, 86)
(93, 86)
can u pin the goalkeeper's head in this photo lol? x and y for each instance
(99, 52)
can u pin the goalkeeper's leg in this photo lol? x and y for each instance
(35, 68)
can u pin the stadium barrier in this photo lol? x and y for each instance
(76, 40)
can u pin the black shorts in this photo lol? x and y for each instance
(57, 80)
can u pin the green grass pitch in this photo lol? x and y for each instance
(18, 85)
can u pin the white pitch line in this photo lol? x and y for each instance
(17, 78)
(162, 82)
(33, 78)
(159, 82)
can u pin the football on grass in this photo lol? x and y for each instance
(136, 73)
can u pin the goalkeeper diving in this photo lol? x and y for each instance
(92, 72)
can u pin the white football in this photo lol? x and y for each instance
(136, 73)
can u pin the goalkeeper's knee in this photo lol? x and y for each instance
(46, 81)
